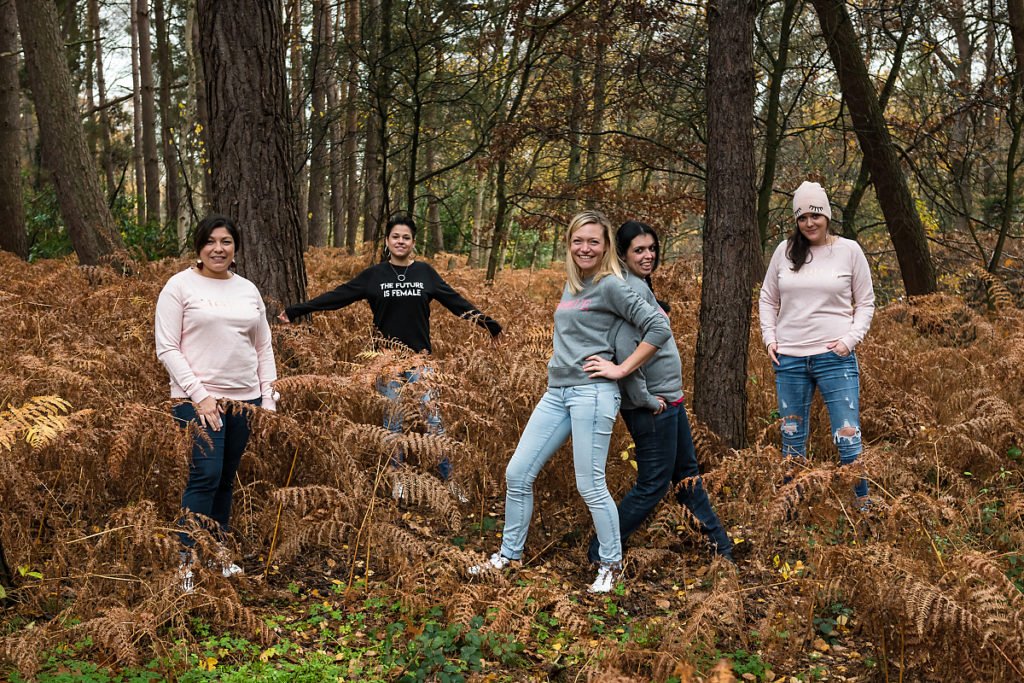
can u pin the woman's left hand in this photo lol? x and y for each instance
(596, 366)
(839, 348)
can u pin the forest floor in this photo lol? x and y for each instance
(925, 585)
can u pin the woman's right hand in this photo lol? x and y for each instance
(662, 405)
(772, 349)
(283, 317)
(209, 412)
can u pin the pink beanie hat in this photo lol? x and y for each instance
(811, 198)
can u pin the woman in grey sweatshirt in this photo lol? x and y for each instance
(582, 399)
(653, 410)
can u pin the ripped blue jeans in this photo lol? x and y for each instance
(394, 416)
(838, 379)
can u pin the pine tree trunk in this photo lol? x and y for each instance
(148, 98)
(12, 224)
(88, 220)
(242, 46)
(730, 229)
(352, 30)
(106, 158)
(298, 113)
(168, 117)
(891, 189)
(318, 114)
(138, 157)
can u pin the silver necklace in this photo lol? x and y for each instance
(399, 276)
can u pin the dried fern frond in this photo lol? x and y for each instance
(41, 420)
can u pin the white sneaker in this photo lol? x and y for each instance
(187, 578)
(458, 493)
(495, 561)
(230, 570)
(607, 573)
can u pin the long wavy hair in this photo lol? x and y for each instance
(609, 261)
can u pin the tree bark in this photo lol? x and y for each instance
(891, 189)
(12, 235)
(352, 31)
(75, 176)
(106, 157)
(730, 232)
(318, 159)
(148, 98)
(298, 112)
(168, 118)
(242, 46)
(138, 157)
(375, 172)
(1015, 119)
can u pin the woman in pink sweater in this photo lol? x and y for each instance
(816, 305)
(213, 337)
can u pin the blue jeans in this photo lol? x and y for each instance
(212, 469)
(664, 455)
(393, 417)
(838, 379)
(587, 412)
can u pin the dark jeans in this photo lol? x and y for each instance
(665, 455)
(211, 472)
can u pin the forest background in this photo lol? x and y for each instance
(492, 123)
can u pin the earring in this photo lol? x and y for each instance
(199, 264)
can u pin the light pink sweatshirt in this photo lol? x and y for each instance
(214, 339)
(829, 299)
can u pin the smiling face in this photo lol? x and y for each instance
(642, 255)
(814, 226)
(400, 243)
(217, 254)
(587, 247)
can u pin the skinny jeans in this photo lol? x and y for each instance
(587, 413)
(665, 455)
(214, 463)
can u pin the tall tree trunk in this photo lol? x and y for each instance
(336, 134)
(298, 98)
(432, 116)
(148, 99)
(891, 189)
(138, 156)
(353, 39)
(318, 216)
(476, 239)
(494, 261)
(772, 126)
(596, 137)
(168, 119)
(197, 77)
(1015, 118)
(12, 233)
(375, 170)
(730, 229)
(75, 176)
(242, 47)
(106, 157)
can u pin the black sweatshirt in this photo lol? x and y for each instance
(399, 297)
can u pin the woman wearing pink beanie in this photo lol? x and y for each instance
(816, 305)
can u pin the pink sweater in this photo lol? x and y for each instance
(829, 299)
(214, 339)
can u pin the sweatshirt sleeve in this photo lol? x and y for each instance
(352, 291)
(266, 368)
(768, 302)
(458, 305)
(863, 295)
(170, 309)
(634, 385)
(632, 308)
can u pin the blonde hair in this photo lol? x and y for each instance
(609, 261)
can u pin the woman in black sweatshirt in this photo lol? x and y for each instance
(399, 290)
